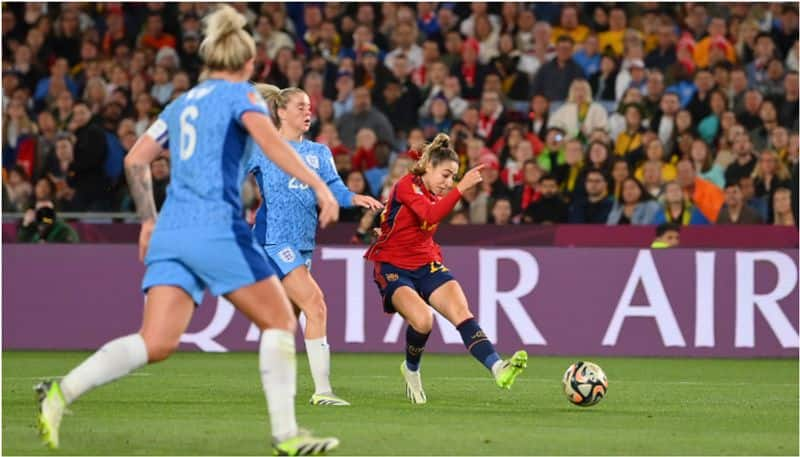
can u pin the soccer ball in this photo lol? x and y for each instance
(585, 383)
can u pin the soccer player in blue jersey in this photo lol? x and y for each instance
(286, 224)
(201, 239)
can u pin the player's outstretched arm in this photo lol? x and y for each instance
(140, 184)
(276, 149)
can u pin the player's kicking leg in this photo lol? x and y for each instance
(450, 301)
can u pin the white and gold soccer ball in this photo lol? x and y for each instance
(585, 383)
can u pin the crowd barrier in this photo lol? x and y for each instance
(567, 235)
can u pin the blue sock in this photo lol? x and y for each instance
(477, 343)
(415, 346)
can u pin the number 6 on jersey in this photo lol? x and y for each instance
(188, 132)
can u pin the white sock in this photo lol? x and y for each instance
(112, 361)
(276, 360)
(496, 367)
(319, 359)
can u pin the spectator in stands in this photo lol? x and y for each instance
(579, 116)
(17, 190)
(159, 169)
(704, 195)
(364, 157)
(619, 171)
(782, 207)
(526, 192)
(616, 122)
(663, 56)
(700, 157)
(42, 226)
(595, 207)
(770, 174)
(501, 211)
(404, 40)
(678, 209)
(552, 155)
(668, 235)
(656, 153)
(735, 210)
(635, 206)
(604, 81)
(356, 182)
(154, 37)
(628, 143)
(555, 77)
(611, 41)
(493, 118)
(86, 174)
(714, 39)
(491, 177)
(569, 24)
(550, 207)
(651, 178)
(539, 116)
(762, 53)
(787, 113)
(363, 116)
(749, 118)
(745, 161)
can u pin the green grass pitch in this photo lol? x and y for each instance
(212, 404)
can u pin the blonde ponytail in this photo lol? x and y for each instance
(276, 98)
(227, 46)
(439, 150)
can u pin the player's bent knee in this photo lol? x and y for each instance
(160, 349)
(316, 310)
(421, 322)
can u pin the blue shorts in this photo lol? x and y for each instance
(195, 259)
(425, 280)
(285, 258)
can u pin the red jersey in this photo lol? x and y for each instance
(408, 223)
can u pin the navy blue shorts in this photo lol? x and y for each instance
(425, 280)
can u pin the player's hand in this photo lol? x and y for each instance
(144, 237)
(328, 207)
(365, 201)
(470, 179)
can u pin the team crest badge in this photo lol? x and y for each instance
(392, 277)
(313, 161)
(287, 255)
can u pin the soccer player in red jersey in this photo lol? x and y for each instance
(409, 270)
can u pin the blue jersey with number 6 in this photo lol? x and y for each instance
(288, 213)
(206, 140)
(201, 239)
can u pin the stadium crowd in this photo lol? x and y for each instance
(594, 113)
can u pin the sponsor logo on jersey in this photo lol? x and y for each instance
(287, 255)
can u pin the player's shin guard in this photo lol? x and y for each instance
(415, 346)
(478, 343)
(276, 360)
(112, 361)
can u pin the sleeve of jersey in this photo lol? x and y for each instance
(254, 156)
(244, 99)
(430, 213)
(159, 132)
(343, 195)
